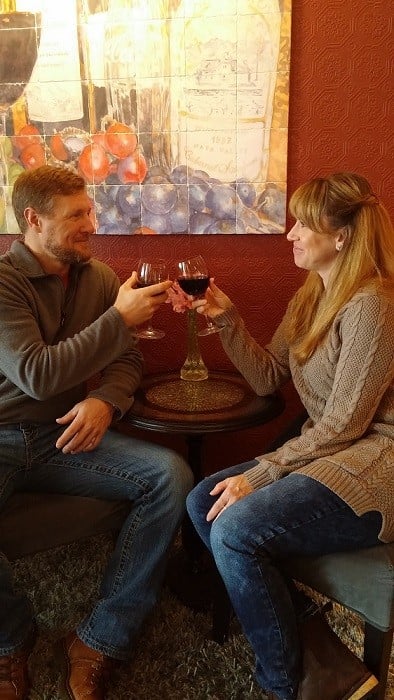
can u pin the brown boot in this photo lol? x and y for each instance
(84, 671)
(14, 674)
(330, 670)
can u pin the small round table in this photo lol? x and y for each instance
(222, 403)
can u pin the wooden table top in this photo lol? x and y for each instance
(221, 403)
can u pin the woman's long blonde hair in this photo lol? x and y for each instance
(326, 205)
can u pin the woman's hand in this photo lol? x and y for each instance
(215, 301)
(231, 490)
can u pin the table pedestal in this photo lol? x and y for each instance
(222, 403)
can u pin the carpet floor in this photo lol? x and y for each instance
(174, 658)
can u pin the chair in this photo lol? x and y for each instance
(34, 522)
(362, 581)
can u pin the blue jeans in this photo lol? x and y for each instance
(154, 479)
(294, 516)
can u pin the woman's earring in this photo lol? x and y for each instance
(339, 246)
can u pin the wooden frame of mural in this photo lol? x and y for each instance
(175, 112)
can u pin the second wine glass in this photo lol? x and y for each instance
(149, 273)
(193, 279)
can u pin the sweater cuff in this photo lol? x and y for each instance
(227, 318)
(120, 404)
(262, 474)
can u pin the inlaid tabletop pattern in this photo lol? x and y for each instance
(207, 395)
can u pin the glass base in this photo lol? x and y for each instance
(209, 330)
(194, 374)
(150, 333)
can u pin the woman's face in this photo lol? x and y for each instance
(313, 251)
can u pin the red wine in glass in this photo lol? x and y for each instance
(193, 279)
(195, 286)
(149, 273)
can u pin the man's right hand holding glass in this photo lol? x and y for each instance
(136, 306)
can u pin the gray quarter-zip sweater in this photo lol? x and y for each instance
(53, 340)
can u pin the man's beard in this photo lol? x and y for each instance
(67, 256)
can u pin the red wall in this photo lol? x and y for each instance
(341, 116)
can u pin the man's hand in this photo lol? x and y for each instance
(232, 489)
(88, 421)
(136, 306)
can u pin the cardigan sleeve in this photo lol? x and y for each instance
(264, 368)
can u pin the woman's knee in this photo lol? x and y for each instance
(226, 532)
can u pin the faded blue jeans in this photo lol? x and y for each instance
(294, 516)
(154, 479)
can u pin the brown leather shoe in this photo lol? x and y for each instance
(84, 671)
(14, 674)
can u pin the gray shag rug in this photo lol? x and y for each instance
(174, 658)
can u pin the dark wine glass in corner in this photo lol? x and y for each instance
(193, 279)
(19, 40)
(151, 273)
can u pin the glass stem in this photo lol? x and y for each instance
(193, 369)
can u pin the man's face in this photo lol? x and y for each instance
(65, 234)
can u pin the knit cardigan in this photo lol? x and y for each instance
(347, 388)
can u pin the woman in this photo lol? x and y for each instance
(330, 489)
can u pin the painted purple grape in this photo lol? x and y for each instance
(221, 200)
(200, 222)
(156, 222)
(198, 189)
(179, 217)
(159, 199)
(156, 180)
(101, 197)
(272, 203)
(129, 200)
(246, 191)
(179, 175)
(110, 220)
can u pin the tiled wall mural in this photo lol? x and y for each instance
(174, 111)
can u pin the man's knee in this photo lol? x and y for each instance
(175, 472)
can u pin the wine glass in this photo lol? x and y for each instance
(20, 36)
(193, 279)
(151, 273)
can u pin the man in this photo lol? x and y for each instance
(63, 319)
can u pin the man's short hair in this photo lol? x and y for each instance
(37, 188)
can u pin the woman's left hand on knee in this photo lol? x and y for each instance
(231, 490)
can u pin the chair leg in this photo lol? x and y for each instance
(221, 611)
(377, 650)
